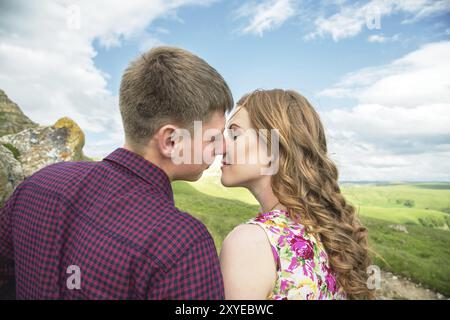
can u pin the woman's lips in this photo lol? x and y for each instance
(224, 164)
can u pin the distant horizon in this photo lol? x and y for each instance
(214, 170)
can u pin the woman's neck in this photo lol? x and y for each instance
(262, 191)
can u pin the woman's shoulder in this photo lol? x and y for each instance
(247, 264)
(245, 235)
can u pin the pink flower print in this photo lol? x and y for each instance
(307, 270)
(331, 283)
(293, 265)
(323, 255)
(261, 218)
(322, 295)
(274, 229)
(285, 284)
(281, 240)
(302, 247)
(325, 268)
(276, 257)
(310, 296)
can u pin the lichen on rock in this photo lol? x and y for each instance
(26, 147)
(11, 173)
(43, 145)
(75, 139)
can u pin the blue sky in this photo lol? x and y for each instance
(383, 93)
(280, 57)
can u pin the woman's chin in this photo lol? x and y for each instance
(226, 181)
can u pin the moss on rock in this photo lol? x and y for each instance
(14, 151)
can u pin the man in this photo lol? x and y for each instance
(110, 229)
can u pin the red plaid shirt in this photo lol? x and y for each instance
(116, 221)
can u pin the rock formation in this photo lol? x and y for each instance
(12, 119)
(26, 147)
(11, 173)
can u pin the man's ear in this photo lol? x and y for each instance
(165, 141)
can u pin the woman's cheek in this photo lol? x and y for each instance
(242, 151)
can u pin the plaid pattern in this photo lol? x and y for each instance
(114, 219)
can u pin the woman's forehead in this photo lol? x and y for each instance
(239, 117)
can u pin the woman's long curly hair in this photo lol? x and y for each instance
(307, 183)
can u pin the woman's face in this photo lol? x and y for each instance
(245, 153)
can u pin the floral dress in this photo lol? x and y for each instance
(303, 272)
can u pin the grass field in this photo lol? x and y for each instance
(427, 204)
(422, 254)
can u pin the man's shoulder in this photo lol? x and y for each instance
(177, 233)
(60, 171)
(191, 225)
(56, 177)
(163, 214)
(147, 221)
(181, 225)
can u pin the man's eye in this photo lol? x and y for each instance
(235, 136)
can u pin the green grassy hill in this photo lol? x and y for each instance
(422, 254)
(427, 204)
(212, 186)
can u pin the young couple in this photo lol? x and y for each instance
(110, 229)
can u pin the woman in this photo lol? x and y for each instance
(306, 242)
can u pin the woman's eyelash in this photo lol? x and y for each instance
(232, 134)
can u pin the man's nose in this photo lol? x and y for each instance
(221, 148)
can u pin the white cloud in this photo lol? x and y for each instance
(401, 130)
(400, 126)
(382, 39)
(265, 15)
(419, 78)
(359, 161)
(429, 8)
(46, 58)
(351, 19)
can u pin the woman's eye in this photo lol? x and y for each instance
(232, 134)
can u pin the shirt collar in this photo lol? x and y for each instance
(145, 169)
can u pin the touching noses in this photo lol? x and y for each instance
(220, 148)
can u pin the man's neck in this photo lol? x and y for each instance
(153, 158)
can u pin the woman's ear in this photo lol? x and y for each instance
(165, 140)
